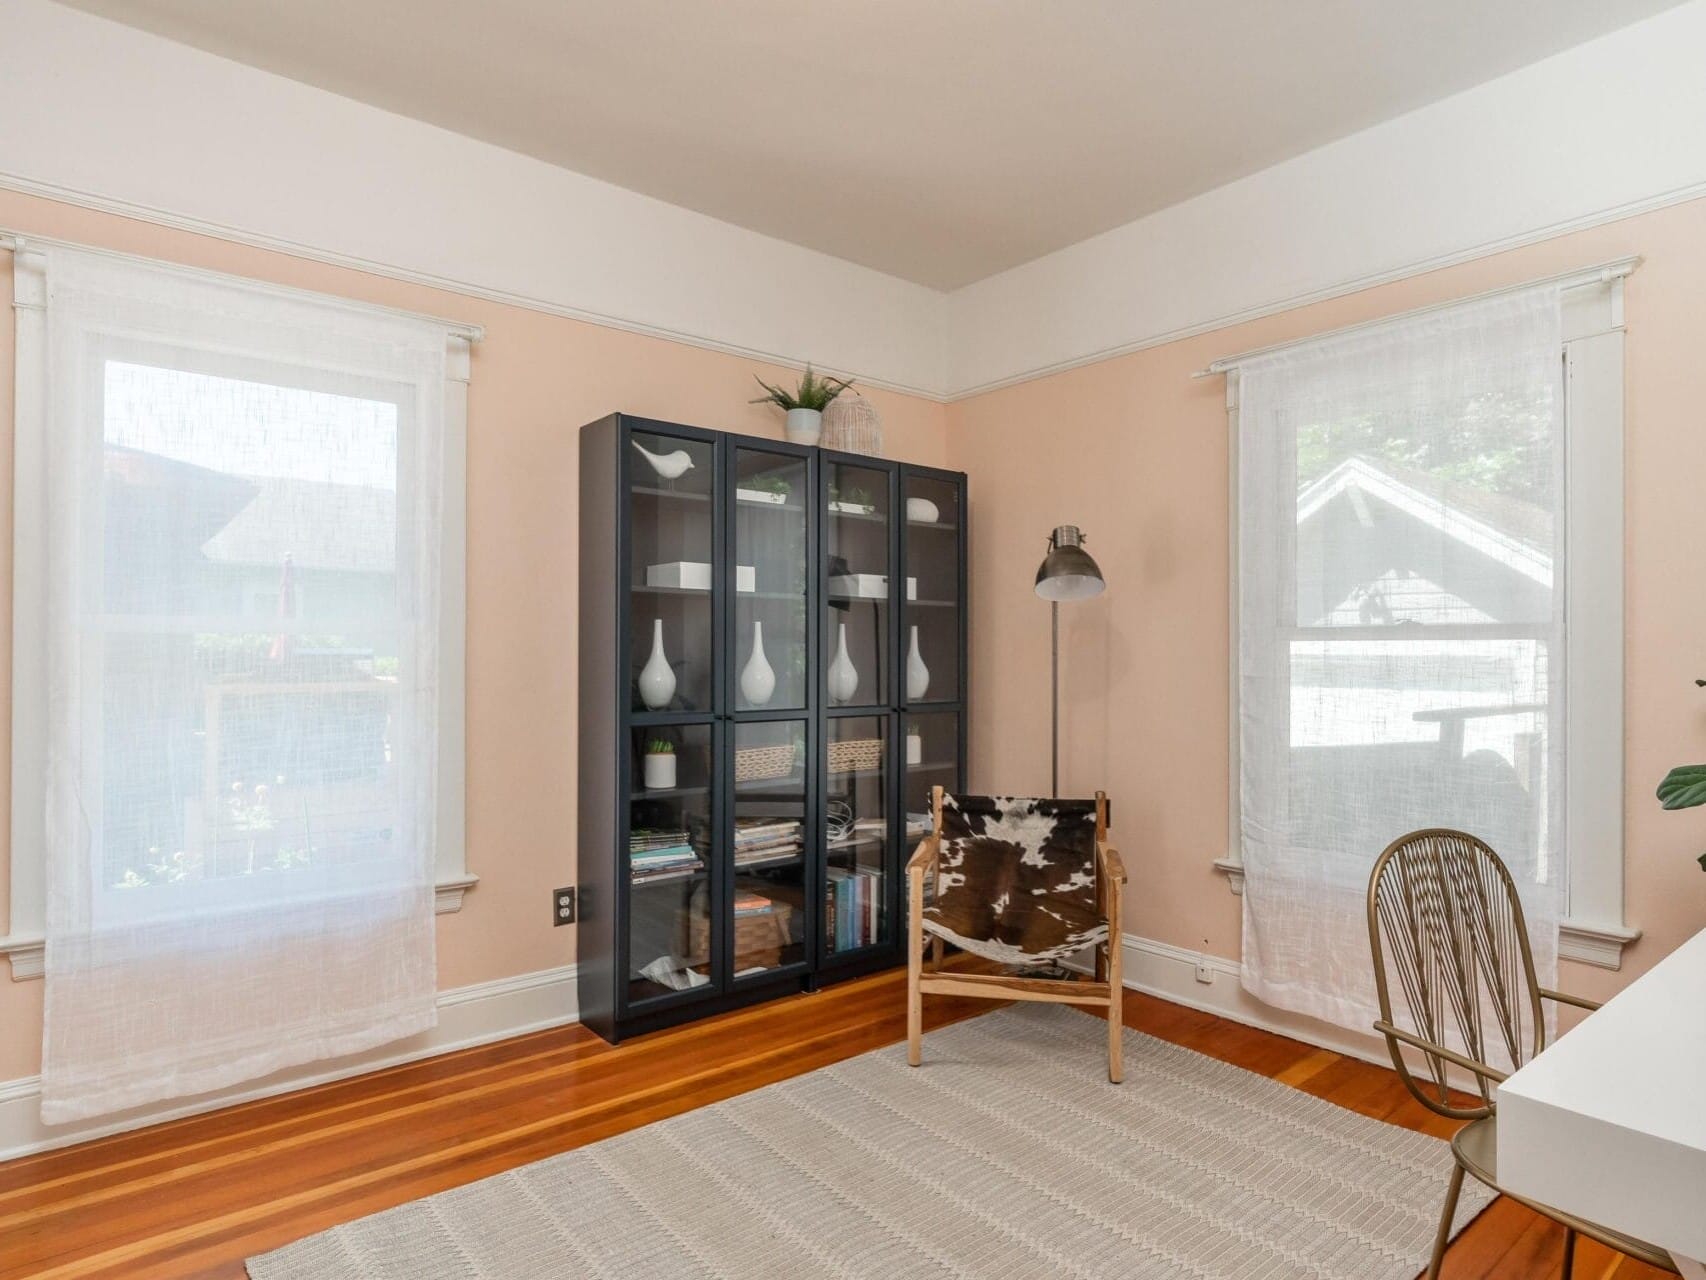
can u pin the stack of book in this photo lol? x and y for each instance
(656, 855)
(765, 840)
(748, 904)
(854, 907)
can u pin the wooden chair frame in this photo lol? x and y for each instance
(1104, 989)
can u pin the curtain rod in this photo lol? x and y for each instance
(18, 240)
(1602, 273)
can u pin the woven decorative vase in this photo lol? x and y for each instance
(852, 424)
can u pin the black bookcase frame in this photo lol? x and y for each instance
(608, 719)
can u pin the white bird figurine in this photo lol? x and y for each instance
(667, 465)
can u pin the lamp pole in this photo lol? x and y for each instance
(1066, 573)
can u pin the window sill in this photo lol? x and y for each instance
(28, 953)
(1600, 945)
(1233, 870)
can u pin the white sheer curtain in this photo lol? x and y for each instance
(244, 491)
(1401, 653)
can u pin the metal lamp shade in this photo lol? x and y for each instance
(1068, 572)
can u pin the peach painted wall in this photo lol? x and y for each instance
(1135, 451)
(536, 379)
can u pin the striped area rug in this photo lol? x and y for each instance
(1007, 1155)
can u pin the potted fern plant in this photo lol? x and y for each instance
(1684, 787)
(804, 405)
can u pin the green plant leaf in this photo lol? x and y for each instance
(1684, 787)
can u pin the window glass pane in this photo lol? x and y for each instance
(249, 654)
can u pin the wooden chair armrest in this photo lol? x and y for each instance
(1440, 1051)
(1108, 859)
(1580, 1002)
(926, 852)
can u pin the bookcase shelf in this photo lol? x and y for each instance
(774, 905)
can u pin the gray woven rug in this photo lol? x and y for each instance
(1006, 1155)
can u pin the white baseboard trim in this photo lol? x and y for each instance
(467, 1016)
(1170, 973)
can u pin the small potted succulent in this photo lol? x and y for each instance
(660, 764)
(804, 405)
(1684, 787)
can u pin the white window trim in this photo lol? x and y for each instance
(24, 944)
(1593, 929)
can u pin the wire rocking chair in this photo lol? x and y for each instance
(1444, 919)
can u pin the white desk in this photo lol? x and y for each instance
(1609, 1123)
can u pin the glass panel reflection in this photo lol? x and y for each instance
(932, 596)
(669, 860)
(857, 834)
(769, 846)
(670, 540)
(856, 614)
(770, 597)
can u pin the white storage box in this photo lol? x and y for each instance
(695, 575)
(860, 585)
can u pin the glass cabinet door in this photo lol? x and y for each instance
(857, 834)
(931, 619)
(671, 528)
(772, 506)
(669, 863)
(930, 754)
(769, 846)
(856, 602)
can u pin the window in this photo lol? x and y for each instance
(240, 581)
(1427, 615)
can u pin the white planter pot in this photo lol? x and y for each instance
(660, 771)
(804, 426)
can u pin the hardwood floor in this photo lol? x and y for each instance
(192, 1198)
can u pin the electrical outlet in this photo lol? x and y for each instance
(563, 906)
(1205, 974)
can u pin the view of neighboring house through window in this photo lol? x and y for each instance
(231, 583)
(1402, 640)
(243, 740)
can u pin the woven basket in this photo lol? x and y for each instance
(759, 939)
(852, 424)
(755, 764)
(855, 754)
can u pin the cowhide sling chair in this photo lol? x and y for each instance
(1021, 882)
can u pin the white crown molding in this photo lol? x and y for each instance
(467, 1016)
(465, 287)
(1605, 131)
(111, 118)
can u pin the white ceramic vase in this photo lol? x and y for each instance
(657, 677)
(757, 680)
(922, 511)
(842, 679)
(914, 747)
(804, 426)
(917, 674)
(660, 771)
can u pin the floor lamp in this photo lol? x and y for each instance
(1066, 573)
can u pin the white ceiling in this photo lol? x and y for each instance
(938, 140)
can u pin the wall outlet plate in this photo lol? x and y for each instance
(1204, 973)
(563, 906)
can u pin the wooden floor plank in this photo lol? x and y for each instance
(190, 1199)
